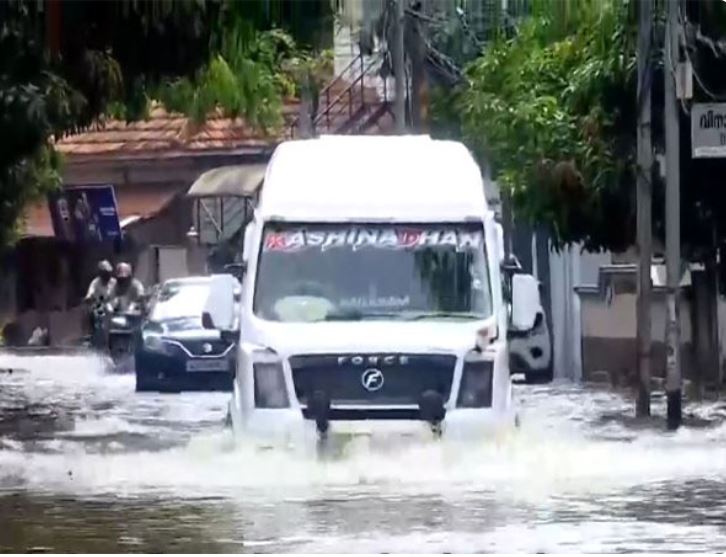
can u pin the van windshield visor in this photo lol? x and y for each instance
(361, 272)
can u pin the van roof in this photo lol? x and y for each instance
(372, 178)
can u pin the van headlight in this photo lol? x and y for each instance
(476, 382)
(269, 377)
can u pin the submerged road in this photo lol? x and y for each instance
(88, 465)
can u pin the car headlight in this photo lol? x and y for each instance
(476, 382)
(154, 343)
(269, 376)
(119, 321)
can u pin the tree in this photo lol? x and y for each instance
(66, 65)
(551, 103)
(551, 108)
(250, 76)
(60, 69)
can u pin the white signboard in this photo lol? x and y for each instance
(708, 130)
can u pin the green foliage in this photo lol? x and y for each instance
(35, 104)
(22, 183)
(245, 79)
(94, 63)
(552, 107)
(249, 77)
(112, 58)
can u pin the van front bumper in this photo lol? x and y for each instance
(459, 424)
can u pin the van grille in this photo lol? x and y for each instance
(342, 380)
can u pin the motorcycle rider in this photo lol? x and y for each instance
(102, 285)
(128, 291)
(100, 290)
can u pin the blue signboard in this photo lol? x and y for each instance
(85, 214)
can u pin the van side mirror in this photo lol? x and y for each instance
(249, 241)
(230, 336)
(499, 240)
(511, 265)
(220, 311)
(526, 302)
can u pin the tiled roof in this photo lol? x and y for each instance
(166, 133)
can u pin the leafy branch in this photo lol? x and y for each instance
(550, 107)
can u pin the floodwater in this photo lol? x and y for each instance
(88, 465)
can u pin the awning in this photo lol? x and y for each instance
(229, 181)
(134, 203)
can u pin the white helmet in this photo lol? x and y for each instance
(124, 270)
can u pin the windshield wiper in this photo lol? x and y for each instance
(357, 315)
(445, 315)
(351, 315)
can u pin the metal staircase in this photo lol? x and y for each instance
(356, 101)
(353, 102)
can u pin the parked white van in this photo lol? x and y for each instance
(372, 298)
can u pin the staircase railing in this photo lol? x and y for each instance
(325, 92)
(351, 100)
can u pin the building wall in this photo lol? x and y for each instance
(48, 284)
(609, 335)
(569, 269)
(44, 280)
(168, 227)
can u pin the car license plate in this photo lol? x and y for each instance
(207, 365)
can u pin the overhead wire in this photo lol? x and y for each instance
(683, 20)
(668, 63)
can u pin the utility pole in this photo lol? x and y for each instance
(399, 68)
(644, 205)
(416, 47)
(673, 220)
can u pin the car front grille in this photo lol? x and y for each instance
(343, 377)
(203, 348)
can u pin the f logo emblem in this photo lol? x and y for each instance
(372, 379)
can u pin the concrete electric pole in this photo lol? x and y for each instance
(644, 204)
(673, 218)
(416, 48)
(399, 68)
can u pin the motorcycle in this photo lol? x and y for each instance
(122, 335)
(99, 330)
(114, 332)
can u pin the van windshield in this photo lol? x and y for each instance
(351, 272)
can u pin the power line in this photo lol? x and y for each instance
(668, 57)
(683, 20)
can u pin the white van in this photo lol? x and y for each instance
(372, 298)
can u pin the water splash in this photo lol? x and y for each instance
(121, 442)
(573, 478)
